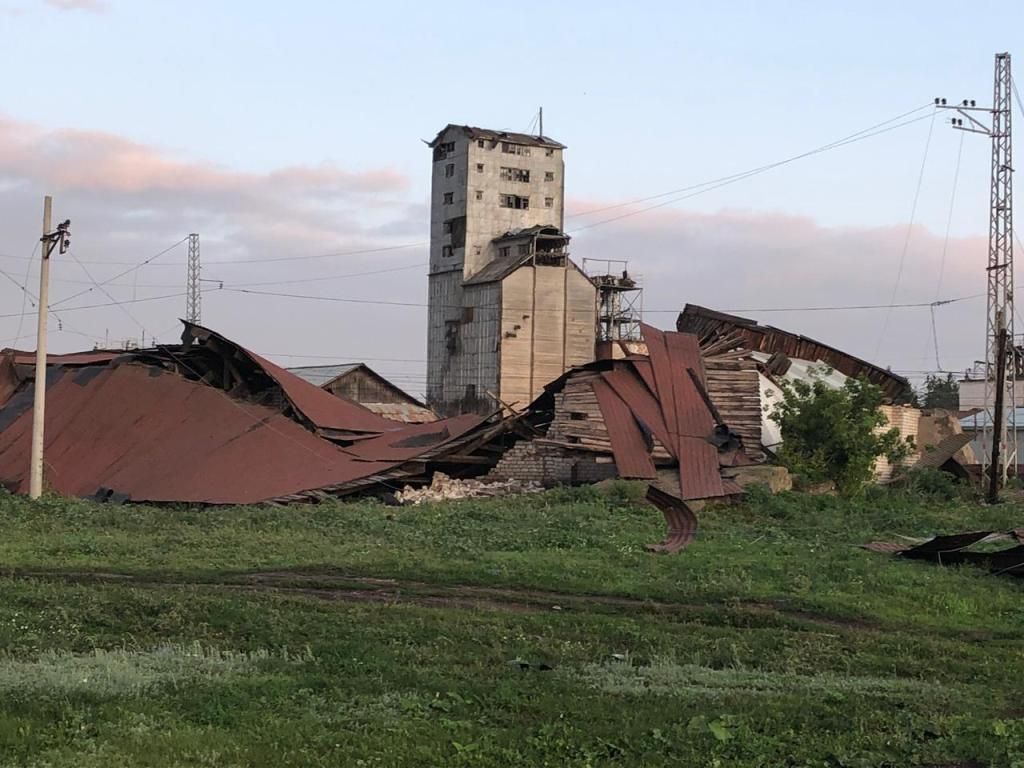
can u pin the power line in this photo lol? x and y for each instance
(754, 172)
(910, 230)
(115, 277)
(385, 302)
(945, 244)
(745, 173)
(112, 304)
(106, 293)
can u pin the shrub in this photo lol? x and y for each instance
(832, 433)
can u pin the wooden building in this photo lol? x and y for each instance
(508, 309)
(359, 383)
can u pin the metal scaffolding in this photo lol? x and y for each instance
(619, 299)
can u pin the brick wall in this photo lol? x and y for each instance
(551, 465)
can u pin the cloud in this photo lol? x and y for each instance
(91, 6)
(741, 260)
(128, 201)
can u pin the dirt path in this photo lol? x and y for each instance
(327, 585)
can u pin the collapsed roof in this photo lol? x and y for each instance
(647, 413)
(710, 326)
(208, 421)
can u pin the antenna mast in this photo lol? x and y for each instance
(193, 310)
(999, 444)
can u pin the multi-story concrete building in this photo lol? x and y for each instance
(509, 310)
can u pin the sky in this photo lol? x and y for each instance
(289, 136)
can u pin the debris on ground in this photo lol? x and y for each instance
(955, 549)
(444, 488)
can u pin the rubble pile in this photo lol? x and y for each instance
(444, 488)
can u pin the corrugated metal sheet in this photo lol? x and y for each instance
(707, 324)
(74, 358)
(414, 439)
(156, 436)
(643, 404)
(323, 409)
(632, 455)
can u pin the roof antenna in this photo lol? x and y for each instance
(540, 122)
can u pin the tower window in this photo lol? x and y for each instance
(447, 251)
(549, 152)
(449, 198)
(446, 227)
(480, 143)
(479, 167)
(479, 194)
(448, 146)
(549, 202)
(515, 201)
(504, 251)
(515, 174)
(449, 170)
(549, 175)
(514, 149)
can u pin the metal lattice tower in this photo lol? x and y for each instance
(1000, 357)
(998, 440)
(193, 308)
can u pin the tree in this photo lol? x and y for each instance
(939, 392)
(834, 434)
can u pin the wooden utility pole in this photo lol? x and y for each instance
(61, 237)
(35, 488)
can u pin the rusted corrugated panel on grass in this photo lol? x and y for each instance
(632, 455)
(955, 550)
(682, 523)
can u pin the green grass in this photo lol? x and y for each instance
(525, 631)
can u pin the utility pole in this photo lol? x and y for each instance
(999, 444)
(49, 240)
(193, 310)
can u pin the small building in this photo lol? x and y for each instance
(359, 383)
(508, 309)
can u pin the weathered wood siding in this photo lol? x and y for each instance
(547, 326)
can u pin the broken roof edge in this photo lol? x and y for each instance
(473, 132)
(695, 310)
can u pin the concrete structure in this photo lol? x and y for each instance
(509, 311)
(972, 393)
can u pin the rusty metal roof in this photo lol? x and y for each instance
(209, 422)
(156, 436)
(707, 324)
(323, 409)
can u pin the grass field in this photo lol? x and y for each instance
(530, 631)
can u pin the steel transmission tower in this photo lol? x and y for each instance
(999, 443)
(193, 309)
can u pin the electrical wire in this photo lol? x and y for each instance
(769, 166)
(747, 174)
(106, 293)
(910, 230)
(115, 277)
(945, 244)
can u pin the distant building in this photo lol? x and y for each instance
(361, 384)
(509, 310)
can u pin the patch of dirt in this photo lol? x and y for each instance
(332, 585)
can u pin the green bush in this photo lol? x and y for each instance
(832, 433)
